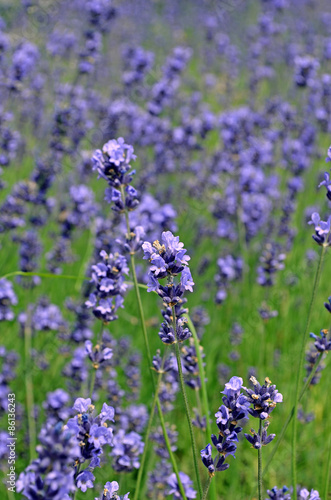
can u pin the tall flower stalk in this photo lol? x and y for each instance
(168, 259)
(299, 371)
(113, 165)
(263, 400)
(29, 387)
(204, 395)
(186, 404)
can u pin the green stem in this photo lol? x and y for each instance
(149, 357)
(207, 488)
(299, 370)
(11, 495)
(259, 459)
(86, 257)
(328, 468)
(202, 375)
(29, 388)
(290, 415)
(44, 275)
(187, 409)
(148, 430)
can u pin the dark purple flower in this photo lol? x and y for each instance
(263, 398)
(323, 343)
(258, 441)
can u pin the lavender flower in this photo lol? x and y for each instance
(7, 299)
(109, 492)
(263, 398)
(126, 451)
(174, 488)
(234, 408)
(323, 343)
(113, 162)
(108, 278)
(167, 261)
(327, 184)
(51, 475)
(276, 494)
(258, 441)
(91, 431)
(322, 230)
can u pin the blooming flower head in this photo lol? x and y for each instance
(108, 278)
(167, 258)
(263, 398)
(91, 431)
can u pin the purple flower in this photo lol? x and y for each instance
(328, 158)
(263, 398)
(258, 441)
(174, 488)
(322, 229)
(85, 480)
(323, 343)
(126, 451)
(7, 299)
(83, 405)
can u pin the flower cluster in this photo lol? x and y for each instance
(323, 342)
(168, 259)
(257, 440)
(109, 492)
(113, 165)
(51, 475)
(233, 409)
(263, 398)
(285, 494)
(108, 279)
(126, 451)
(92, 434)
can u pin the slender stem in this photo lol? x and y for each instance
(202, 374)
(299, 370)
(187, 409)
(328, 468)
(197, 395)
(148, 430)
(290, 415)
(44, 275)
(29, 388)
(86, 257)
(259, 460)
(158, 404)
(207, 488)
(149, 357)
(10, 494)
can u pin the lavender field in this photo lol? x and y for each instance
(165, 224)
